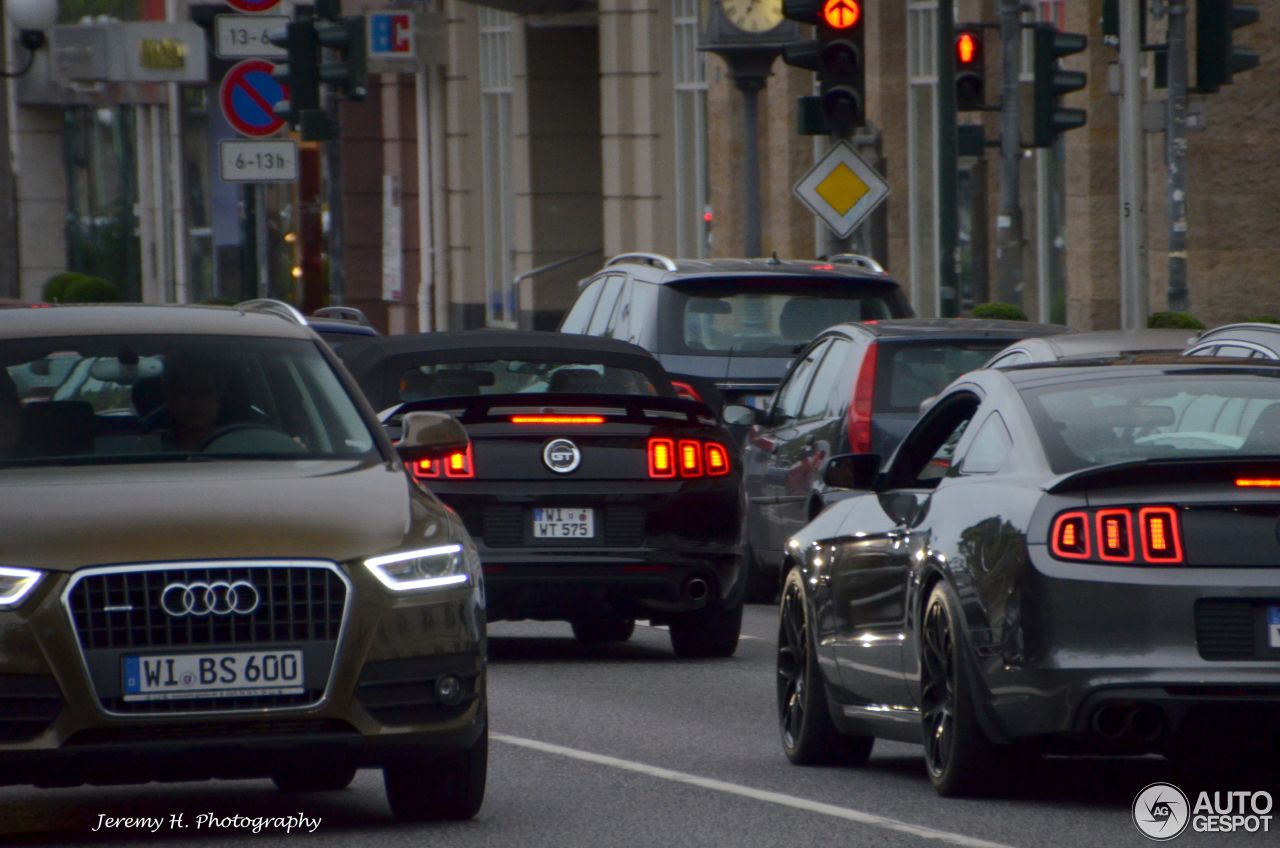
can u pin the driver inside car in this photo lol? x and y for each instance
(193, 398)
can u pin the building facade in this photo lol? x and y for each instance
(529, 140)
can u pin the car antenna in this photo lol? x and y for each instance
(728, 363)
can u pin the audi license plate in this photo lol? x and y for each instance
(1273, 626)
(216, 675)
(563, 523)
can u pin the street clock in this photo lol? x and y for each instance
(753, 15)
(750, 24)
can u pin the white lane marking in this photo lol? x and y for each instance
(664, 627)
(792, 801)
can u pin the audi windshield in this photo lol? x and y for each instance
(154, 398)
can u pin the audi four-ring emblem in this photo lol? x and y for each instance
(216, 598)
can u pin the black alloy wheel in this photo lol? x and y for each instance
(449, 788)
(961, 760)
(809, 736)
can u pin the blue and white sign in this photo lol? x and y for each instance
(391, 35)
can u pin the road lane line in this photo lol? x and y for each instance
(779, 798)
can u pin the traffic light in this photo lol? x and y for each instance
(971, 70)
(840, 65)
(1217, 57)
(836, 55)
(298, 71)
(1049, 118)
(344, 36)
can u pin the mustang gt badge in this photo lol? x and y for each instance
(561, 456)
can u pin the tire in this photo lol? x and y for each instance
(315, 779)
(762, 588)
(448, 789)
(809, 736)
(960, 759)
(598, 630)
(707, 632)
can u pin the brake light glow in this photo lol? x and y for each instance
(717, 460)
(557, 419)
(1115, 535)
(459, 465)
(1071, 536)
(1161, 539)
(860, 405)
(1257, 483)
(686, 391)
(1158, 533)
(662, 462)
(690, 459)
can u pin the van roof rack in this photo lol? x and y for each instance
(655, 259)
(271, 306)
(343, 313)
(857, 259)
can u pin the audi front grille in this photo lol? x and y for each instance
(119, 610)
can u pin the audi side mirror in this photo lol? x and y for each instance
(429, 435)
(851, 471)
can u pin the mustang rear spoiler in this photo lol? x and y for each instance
(1150, 472)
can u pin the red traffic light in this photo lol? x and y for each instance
(841, 14)
(968, 48)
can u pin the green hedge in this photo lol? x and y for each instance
(997, 310)
(1174, 321)
(92, 290)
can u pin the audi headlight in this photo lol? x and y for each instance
(425, 568)
(16, 584)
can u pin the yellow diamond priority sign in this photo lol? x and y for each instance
(842, 189)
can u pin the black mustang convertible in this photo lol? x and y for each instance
(595, 494)
(1075, 559)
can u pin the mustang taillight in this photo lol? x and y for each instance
(690, 459)
(459, 465)
(717, 460)
(687, 458)
(662, 458)
(1161, 538)
(1107, 535)
(1071, 536)
(1115, 535)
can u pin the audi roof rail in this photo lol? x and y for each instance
(864, 262)
(271, 306)
(655, 259)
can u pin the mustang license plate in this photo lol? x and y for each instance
(563, 523)
(1273, 626)
(214, 675)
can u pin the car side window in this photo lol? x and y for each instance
(990, 445)
(580, 313)
(1239, 351)
(604, 309)
(618, 321)
(791, 393)
(824, 387)
(643, 313)
(926, 453)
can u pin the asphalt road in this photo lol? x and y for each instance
(626, 745)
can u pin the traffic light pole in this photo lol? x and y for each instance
(1176, 156)
(1009, 219)
(948, 165)
(1133, 173)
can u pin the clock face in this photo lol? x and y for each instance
(753, 15)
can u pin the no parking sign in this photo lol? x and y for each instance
(248, 96)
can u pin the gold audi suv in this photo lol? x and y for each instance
(213, 564)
